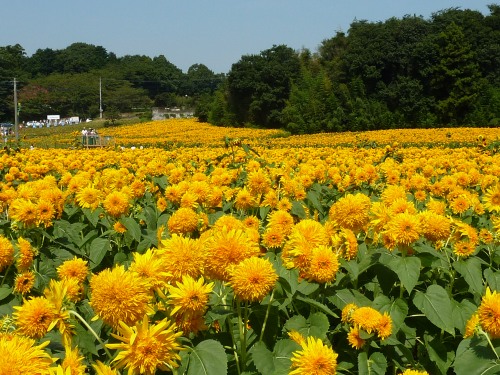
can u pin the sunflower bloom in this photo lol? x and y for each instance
(150, 267)
(489, 313)
(491, 199)
(225, 248)
(273, 238)
(144, 348)
(297, 337)
(116, 203)
(355, 339)
(384, 328)
(182, 256)
(414, 372)
(404, 228)
(26, 254)
(252, 279)
(20, 355)
(190, 296)
(315, 358)
(184, 220)
(24, 282)
(324, 265)
(102, 369)
(75, 268)
(118, 295)
(347, 312)
(351, 211)
(6, 253)
(89, 197)
(471, 326)
(35, 317)
(73, 361)
(366, 318)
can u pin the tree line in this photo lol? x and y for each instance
(403, 72)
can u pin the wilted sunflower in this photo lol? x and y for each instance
(184, 220)
(314, 358)
(20, 355)
(89, 197)
(35, 317)
(189, 296)
(182, 256)
(489, 313)
(323, 265)
(116, 203)
(118, 295)
(75, 268)
(24, 282)
(144, 348)
(6, 253)
(491, 199)
(252, 279)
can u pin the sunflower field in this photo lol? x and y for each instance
(192, 249)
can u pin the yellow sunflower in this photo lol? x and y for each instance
(73, 362)
(351, 211)
(6, 253)
(35, 317)
(182, 256)
(103, 369)
(26, 254)
(354, 338)
(489, 313)
(404, 228)
(20, 355)
(366, 318)
(315, 358)
(189, 296)
(144, 348)
(75, 268)
(491, 199)
(118, 295)
(150, 267)
(24, 282)
(323, 265)
(252, 279)
(471, 326)
(184, 220)
(116, 203)
(89, 197)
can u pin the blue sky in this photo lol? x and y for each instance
(215, 33)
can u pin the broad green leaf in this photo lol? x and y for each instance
(436, 305)
(207, 358)
(470, 270)
(298, 210)
(438, 353)
(263, 211)
(317, 325)
(407, 269)
(492, 278)
(397, 309)
(462, 311)
(276, 362)
(475, 356)
(133, 227)
(317, 305)
(5, 291)
(93, 215)
(345, 296)
(161, 181)
(98, 250)
(375, 365)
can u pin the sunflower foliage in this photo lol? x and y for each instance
(298, 257)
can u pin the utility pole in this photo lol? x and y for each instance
(16, 119)
(100, 97)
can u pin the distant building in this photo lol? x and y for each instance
(161, 113)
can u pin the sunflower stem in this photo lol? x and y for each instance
(241, 326)
(236, 358)
(91, 331)
(265, 318)
(489, 343)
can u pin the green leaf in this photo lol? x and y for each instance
(98, 250)
(375, 365)
(298, 210)
(492, 278)
(462, 311)
(436, 305)
(133, 227)
(162, 181)
(276, 362)
(397, 309)
(407, 269)
(345, 296)
(93, 215)
(317, 325)
(207, 358)
(470, 270)
(317, 305)
(438, 353)
(5, 291)
(475, 356)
